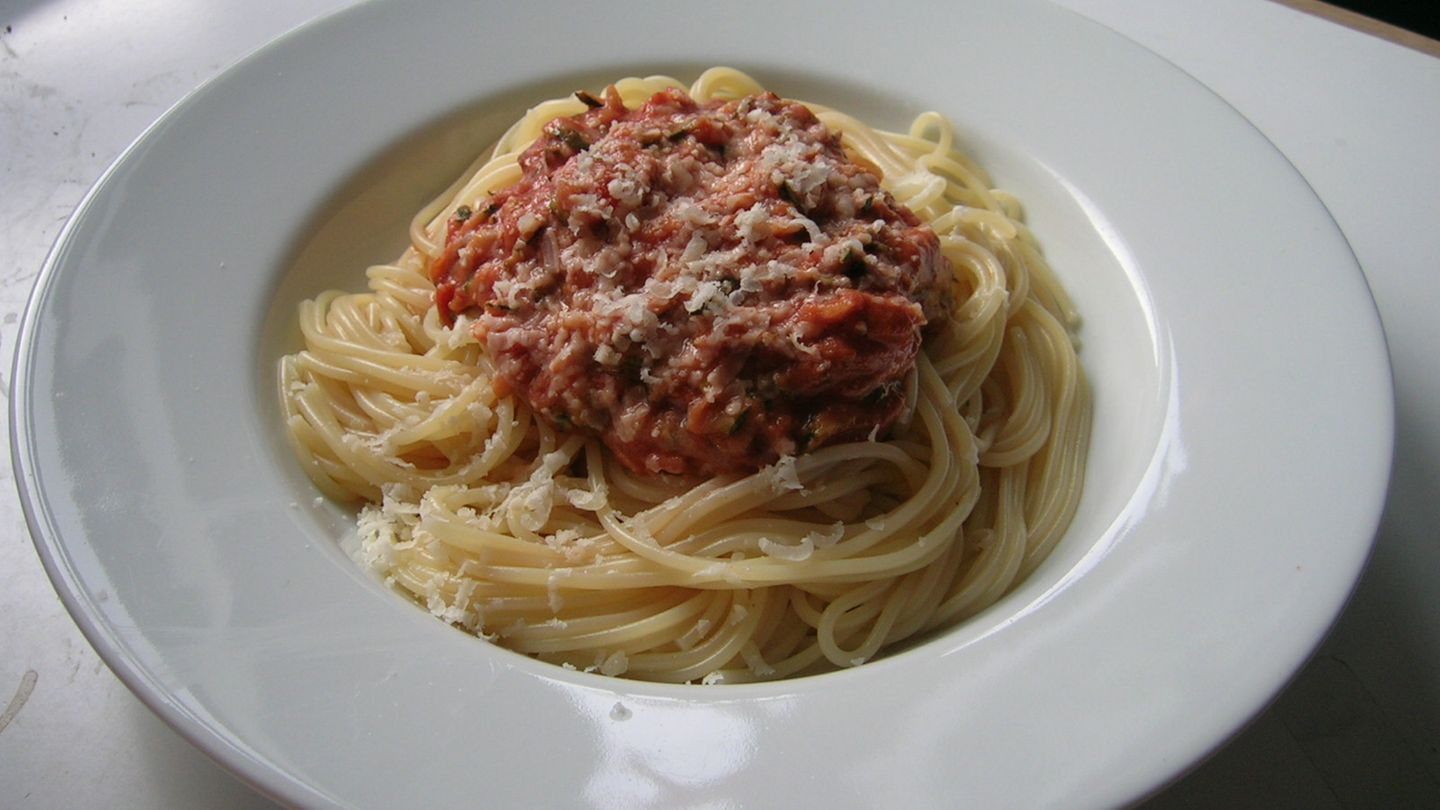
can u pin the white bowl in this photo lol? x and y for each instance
(1239, 458)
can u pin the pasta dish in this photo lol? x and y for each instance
(702, 385)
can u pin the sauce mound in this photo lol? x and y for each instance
(706, 287)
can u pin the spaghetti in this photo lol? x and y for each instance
(542, 541)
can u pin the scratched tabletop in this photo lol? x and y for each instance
(1354, 107)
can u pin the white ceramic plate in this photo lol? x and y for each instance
(1241, 444)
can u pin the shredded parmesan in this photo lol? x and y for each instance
(737, 614)
(782, 475)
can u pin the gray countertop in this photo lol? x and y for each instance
(1358, 115)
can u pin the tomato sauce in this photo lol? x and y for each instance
(707, 287)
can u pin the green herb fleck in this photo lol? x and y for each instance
(883, 392)
(853, 265)
(630, 367)
(739, 423)
(570, 138)
(788, 194)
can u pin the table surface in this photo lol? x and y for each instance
(1358, 727)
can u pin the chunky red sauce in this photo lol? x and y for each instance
(706, 287)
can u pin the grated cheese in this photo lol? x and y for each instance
(782, 475)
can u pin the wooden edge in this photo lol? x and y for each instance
(1366, 25)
